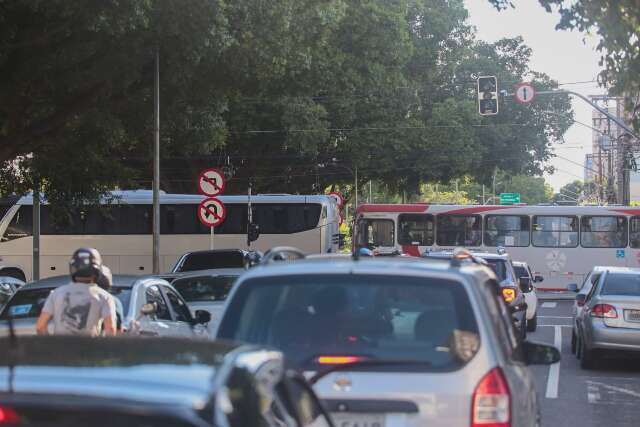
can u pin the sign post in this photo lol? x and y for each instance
(211, 211)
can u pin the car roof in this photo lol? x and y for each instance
(209, 272)
(519, 263)
(615, 269)
(367, 265)
(119, 280)
(216, 251)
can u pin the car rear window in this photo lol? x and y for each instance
(621, 284)
(371, 316)
(204, 288)
(209, 260)
(28, 303)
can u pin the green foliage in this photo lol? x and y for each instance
(294, 94)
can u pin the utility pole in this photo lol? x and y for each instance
(156, 165)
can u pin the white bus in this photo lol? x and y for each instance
(562, 243)
(121, 230)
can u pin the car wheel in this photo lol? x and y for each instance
(573, 342)
(523, 328)
(587, 357)
(532, 324)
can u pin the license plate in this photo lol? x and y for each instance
(633, 315)
(358, 420)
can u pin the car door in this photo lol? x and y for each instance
(159, 323)
(182, 324)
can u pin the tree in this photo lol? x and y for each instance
(292, 94)
(616, 22)
(571, 192)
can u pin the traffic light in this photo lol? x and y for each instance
(253, 232)
(488, 95)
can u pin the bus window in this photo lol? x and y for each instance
(634, 232)
(21, 224)
(376, 233)
(555, 231)
(415, 229)
(603, 231)
(459, 230)
(506, 230)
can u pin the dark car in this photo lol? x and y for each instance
(58, 380)
(214, 259)
(512, 293)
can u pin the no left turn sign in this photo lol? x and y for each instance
(211, 212)
(525, 93)
(211, 182)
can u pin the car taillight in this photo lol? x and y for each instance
(491, 403)
(339, 360)
(8, 416)
(604, 311)
(508, 294)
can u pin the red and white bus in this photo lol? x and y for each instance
(562, 243)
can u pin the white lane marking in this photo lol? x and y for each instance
(554, 370)
(555, 317)
(549, 304)
(557, 326)
(616, 389)
(593, 392)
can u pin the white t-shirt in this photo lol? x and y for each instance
(79, 309)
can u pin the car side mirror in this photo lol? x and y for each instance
(525, 284)
(202, 317)
(540, 354)
(538, 279)
(581, 299)
(149, 308)
(572, 287)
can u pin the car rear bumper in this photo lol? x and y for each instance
(608, 338)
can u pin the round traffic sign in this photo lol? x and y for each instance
(211, 212)
(525, 93)
(211, 182)
(338, 197)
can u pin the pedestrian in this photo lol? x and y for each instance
(81, 307)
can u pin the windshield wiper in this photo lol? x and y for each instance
(366, 363)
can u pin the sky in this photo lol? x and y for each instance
(562, 55)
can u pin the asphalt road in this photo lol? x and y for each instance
(570, 396)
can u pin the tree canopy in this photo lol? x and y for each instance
(293, 94)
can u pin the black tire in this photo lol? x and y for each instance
(587, 357)
(574, 345)
(532, 324)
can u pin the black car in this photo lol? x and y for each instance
(214, 259)
(79, 381)
(510, 285)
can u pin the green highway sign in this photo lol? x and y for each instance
(509, 198)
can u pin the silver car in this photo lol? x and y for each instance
(8, 286)
(609, 320)
(393, 341)
(582, 291)
(145, 306)
(207, 290)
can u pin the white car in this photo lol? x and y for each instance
(145, 305)
(524, 271)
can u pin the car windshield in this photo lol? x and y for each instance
(499, 267)
(208, 260)
(521, 271)
(627, 284)
(204, 288)
(370, 316)
(28, 303)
